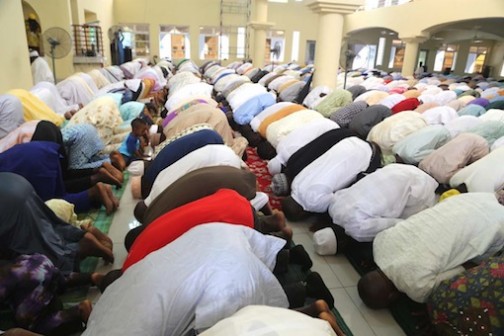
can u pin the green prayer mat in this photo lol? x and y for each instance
(411, 316)
(102, 221)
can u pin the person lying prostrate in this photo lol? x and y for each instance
(30, 286)
(364, 121)
(395, 128)
(203, 113)
(297, 139)
(36, 109)
(173, 152)
(184, 289)
(264, 320)
(382, 199)
(313, 187)
(11, 114)
(103, 113)
(457, 153)
(259, 118)
(207, 156)
(484, 175)
(416, 146)
(418, 253)
(282, 113)
(48, 93)
(225, 206)
(28, 226)
(39, 162)
(454, 306)
(183, 191)
(74, 90)
(314, 149)
(281, 128)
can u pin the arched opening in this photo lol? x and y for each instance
(33, 28)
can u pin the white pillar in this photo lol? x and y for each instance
(260, 25)
(410, 54)
(329, 36)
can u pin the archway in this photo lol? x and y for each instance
(33, 28)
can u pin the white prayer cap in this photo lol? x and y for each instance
(34, 53)
(325, 242)
(136, 168)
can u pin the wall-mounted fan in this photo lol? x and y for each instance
(59, 43)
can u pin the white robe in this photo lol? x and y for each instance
(206, 156)
(48, 93)
(429, 247)
(296, 139)
(41, 72)
(484, 175)
(204, 276)
(314, 186)
(269, 321)
(381, 200)
(281, 128)
(258, 119)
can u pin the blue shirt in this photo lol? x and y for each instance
(130, 145)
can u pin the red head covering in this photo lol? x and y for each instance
(225, 206)
(409, 104)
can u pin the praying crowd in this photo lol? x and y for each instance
(413, 167)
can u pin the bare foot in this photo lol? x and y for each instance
(272, 223)
(118, 175)
(102, 237)
(114, 199)
(90, 246)
(101, 194)
(103, 175)
(117, 160)
(329, 317)
(96, 278)
(286, 233)
(85, 308)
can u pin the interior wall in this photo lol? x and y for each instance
(103, 11)
(287, 18)
(14, 59)
(197, 13)
(57, 14)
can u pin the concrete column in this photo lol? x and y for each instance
(410, 54)
(496, 58)
(260, 25)
(329, 36)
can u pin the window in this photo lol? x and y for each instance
(475, 59)
(295, 46)
(240, 42)
(446, 57)
(174, 42)
(502, 70)
(212, 44)
(364, 56)
(396, 55)
(372, 4)
(87, 40)
(381, 50)
(136, 37)
(275, 46)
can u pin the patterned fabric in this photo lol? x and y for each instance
(83, 146)
(260, 169)
(344, 115)
(29, 284)
(179, 135)
(471, 303)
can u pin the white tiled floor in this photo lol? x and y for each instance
(338, 274)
